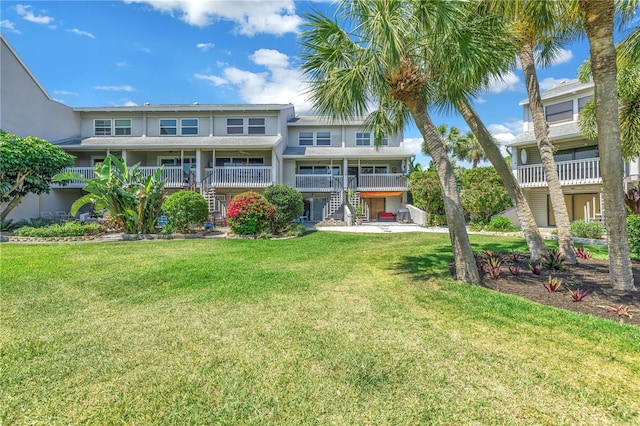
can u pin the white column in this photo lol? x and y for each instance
(144, 124)
(345, 171)
(199, 167)
(211, 124)
(124, 157)
(274, 168)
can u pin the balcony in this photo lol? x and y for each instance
(318, 183)
(173, 175)
(383, 182)
(238, 177)
(577, 172)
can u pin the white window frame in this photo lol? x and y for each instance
(309, 136)
(108, 130)
(160, 126)
(235, 126)
(116, 127)
(318, 138)
(183, 126)
(252, 127)
(363, 138)
(561, 120)
(373, 169)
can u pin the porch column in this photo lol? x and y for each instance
(345, 172)
(274, 168)
(198, 166)
(144, 124)
(124, 157)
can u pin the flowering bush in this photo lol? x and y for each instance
(250, 213)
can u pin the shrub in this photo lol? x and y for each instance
(633, 226)
(427, 196)
(288, 203)
(249, 213)
(41, 222)
(186, 209)
(482, 193)
(500, 224)
(66, 229)
(582, 229)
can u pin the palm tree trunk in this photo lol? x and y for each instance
(466, 268)
(598, 22)
(492, 152)
(565, 241)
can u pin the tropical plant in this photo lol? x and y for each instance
(66, 229)
(27, 165)
(578, 295)
(133, 200)
(289, 205)
(553, 284)
(250, 213)
(536, 268)
(583, 229)
(500, 224)
(633, 228)
(540, 27)
(185, 209)
(482, 193)
(622, 310)
(378, 54)
(491, 262)
(583, 253)
(555, 259)
(427, 194)
(598, 19)
(515, 270)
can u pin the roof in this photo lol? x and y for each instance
(188, 107)
(318, 120)
(557, 131)
(26, 69)
(563, 88)
(350, 152)
(171, 142)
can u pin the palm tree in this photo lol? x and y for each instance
(382, 61)
(541, 26)
(598, 18)
(450, 138)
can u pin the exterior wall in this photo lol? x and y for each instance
(289, 171)
(220, 122)
(538, 204)
(25, 108)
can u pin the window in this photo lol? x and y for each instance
(168, 127)
(319, 170)
(560, 112)
(235, 126)
(239, 161)
(363, 139)
(189, 126)
(323, 138)
(583, 101)
(385, 141)
(305, 138)
(257, 126)
(122, 127)
(102, 127)
(368, 170)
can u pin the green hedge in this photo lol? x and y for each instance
(67, 229)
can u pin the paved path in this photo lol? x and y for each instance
(382, 228)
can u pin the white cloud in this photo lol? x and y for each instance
(563, 56)
(204, 46)
(505, 132)
(28, 15)
(130, 103)
(122, 64)
(550, 82)
(508, 82)
(250, 16)
(9, 26)
(82, 33)
(218, 81)
(278, 84)
(480, 100)
(64, 93)
(142, 48)
(413, 144)
(124, 88)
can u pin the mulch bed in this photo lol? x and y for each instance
(587, 274)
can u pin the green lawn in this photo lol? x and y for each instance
(330, 328)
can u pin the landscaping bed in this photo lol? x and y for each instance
(588, 274)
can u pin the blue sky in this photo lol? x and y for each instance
(102, 53)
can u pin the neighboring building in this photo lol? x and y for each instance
(577, 158)
(219, 150)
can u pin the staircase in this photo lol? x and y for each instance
(215, 205)
(337, 200)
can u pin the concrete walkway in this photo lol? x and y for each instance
(393, 227)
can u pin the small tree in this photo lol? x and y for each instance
(427, 195)
(133, 200)
(185, 209)
(249, 213)
(288, 203)
(27, 165)
(483, 194)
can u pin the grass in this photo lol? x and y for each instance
(326, 329)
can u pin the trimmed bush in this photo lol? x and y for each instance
(250, 213)
(582, 229)
(288, 203)
(185, 209)
(633, 227)
(66, 229)
(500, 224)
(482, 193)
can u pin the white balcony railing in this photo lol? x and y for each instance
(238, 177)
(383, 182)
(173, 175)
(577, 172)
(320, 183)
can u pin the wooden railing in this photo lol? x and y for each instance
(238, 177)
(575, 172)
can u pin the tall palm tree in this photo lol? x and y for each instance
(451, 138)
(541, 26)
(530, 229)
(598, 18)
(380, 58)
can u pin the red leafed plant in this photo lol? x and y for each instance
(583, 253)
(620, 310)
(578, 295)
(490, 263)
(515, 270)
(536, 269)
(553, 285)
